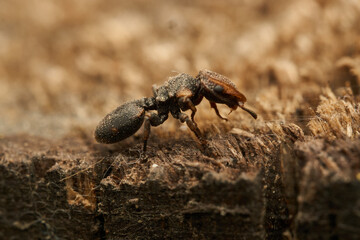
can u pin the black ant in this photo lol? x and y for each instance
(179, 93)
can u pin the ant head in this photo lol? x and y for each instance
(219, 89)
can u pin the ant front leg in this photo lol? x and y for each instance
(191, 124)
(185, 101)
(152, 119)
(213, 105)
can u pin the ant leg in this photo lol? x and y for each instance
(213, 105)
(186, 101)
(192, 125)
(146, 132)
(152, 120)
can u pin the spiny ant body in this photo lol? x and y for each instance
(178, 94)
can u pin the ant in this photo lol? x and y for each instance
(180, 93)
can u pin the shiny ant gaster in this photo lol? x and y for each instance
(179, 93)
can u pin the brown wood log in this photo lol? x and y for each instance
(253, 187)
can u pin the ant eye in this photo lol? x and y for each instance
(218, 89)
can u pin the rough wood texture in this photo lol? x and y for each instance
(294, 173)
(256, 189)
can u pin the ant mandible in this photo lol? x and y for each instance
(180, 93)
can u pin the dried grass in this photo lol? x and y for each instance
(336, 117)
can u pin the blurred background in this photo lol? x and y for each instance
(65, 64)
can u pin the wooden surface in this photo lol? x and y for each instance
(255, 188)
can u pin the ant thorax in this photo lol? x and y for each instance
(183, 85)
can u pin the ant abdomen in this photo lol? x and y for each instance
(120, 123)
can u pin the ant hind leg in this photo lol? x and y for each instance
(152, 119)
